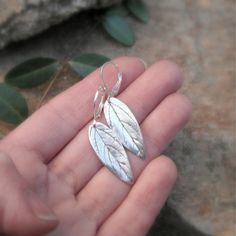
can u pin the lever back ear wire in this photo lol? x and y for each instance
(103, 91)
(116, 87)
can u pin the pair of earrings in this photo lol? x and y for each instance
(123, 131)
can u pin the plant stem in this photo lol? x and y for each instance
(59, 71)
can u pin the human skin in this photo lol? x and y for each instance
(51, 180)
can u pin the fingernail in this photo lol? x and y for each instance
(40, 209)
(143, 62)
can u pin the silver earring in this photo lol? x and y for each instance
(123, 129)
(120, 118)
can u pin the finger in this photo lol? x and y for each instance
(158, 128)
(138, 211)
(141, 96)
(52, 126)
(21, 211)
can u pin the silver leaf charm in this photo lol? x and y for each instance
(122, 121)
(110, 151)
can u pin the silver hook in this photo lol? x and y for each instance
(103, 90)
(116, 87)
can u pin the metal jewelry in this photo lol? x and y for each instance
(122, 131)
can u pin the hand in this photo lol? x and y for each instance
(51, 180)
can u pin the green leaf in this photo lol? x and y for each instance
(118, 10)
(32, 72)
(87, 63)
(13, 107)
(118, 28)
(139, 9)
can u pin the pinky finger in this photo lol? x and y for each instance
(145, 200)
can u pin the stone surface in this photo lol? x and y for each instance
(170, 223)
(20, 19)
(200, 36)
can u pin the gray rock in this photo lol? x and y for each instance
(20, 19)
(205, 191)
(170, 223)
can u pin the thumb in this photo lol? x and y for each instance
(22, 212)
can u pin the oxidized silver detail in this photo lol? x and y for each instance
(125, 126)
(110, 151)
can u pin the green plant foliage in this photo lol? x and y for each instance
(118, 10)
(87, 63)
(32, 72)
(13, 107)
(119, 29)
(139, 9)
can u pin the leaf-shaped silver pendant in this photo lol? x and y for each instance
(122, 121)
(110, 151)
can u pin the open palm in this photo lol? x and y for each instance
(49, 156)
